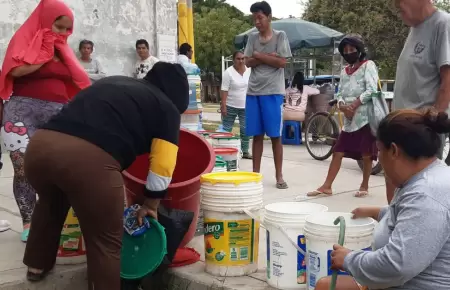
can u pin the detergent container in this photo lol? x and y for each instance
(72, 249)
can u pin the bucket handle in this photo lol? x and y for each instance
(280, 228)
(256, 218)
(341, 221)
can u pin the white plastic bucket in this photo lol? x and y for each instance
(224, 141)
(220, 166)
(195, 87)
(321, 234)
(190, 127)
(284, 221)
(190, 120)
(230, 156)
(231, 236)
(193, 117)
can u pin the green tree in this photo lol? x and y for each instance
(443, 4)
(376, 20)
(215, 29)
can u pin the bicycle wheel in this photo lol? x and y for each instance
(376, 166)
(321, 134)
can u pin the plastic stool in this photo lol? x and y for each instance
(292, 133)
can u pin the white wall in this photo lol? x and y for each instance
(113, 26)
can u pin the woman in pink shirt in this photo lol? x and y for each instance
(297, 98)
(40, 74)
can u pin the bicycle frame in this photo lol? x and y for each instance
(340, 121)
(333, 112)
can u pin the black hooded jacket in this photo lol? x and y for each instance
(127, 117)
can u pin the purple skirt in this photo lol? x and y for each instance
(357, 144)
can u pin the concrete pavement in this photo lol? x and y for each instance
(302, 173)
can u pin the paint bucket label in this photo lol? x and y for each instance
(301, 261)
(315, 266)
(268, 253)
(343, 273)
(277, 269)
(231, 243)
(198, 92)
(71, 243)
(231, 165)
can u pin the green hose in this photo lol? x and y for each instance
(340, 220)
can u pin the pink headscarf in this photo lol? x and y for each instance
(35, 43)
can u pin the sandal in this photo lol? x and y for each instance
(361, 193)
(24, 235)
(317, 192)
(37, 277)
(247, 156)
(282, 185)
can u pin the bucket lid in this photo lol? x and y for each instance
(236, 177)
(192, 112)
(219, 158)
(143, 254)
(223, 136)
(205, 132)
(327, 219)
(295, 208)
(226, 150)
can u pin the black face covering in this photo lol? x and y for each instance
(172, 80)
(351, 58)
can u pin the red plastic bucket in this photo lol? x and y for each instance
(222, 135)
(195, 158)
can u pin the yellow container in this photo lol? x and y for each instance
(231, 236)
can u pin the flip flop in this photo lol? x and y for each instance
(317, 192)
(282, 185)
(24, 235)
(37, 277)
(361, 193)
(4, 225)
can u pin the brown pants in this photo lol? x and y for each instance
(69, 171)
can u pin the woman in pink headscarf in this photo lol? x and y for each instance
(40, 74)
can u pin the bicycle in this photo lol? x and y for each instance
(327, 134)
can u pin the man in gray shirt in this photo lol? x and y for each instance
(266, 54)
(423, 68)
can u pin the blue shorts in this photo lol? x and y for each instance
(264, 115)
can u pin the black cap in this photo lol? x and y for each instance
(172, 80)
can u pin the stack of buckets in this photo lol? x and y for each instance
(299, 235)
(191, 119)
(221, 165)
(228, 147)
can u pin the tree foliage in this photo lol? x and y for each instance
(216, 24)
(376, 20)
